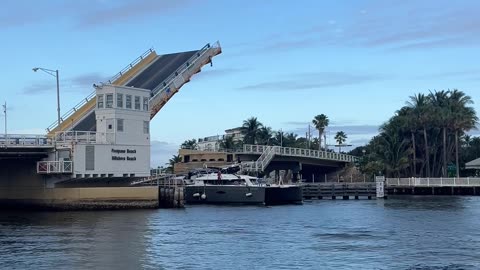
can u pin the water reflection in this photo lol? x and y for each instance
(399, 233)
(73, 239)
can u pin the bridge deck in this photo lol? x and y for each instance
(25, 141)
(159, 70)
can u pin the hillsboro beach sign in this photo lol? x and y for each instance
(117, 152)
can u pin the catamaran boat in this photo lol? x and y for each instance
(277, 194)
(216, 188)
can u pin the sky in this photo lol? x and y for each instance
(282, 61)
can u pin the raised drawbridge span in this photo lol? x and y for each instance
(163, 75)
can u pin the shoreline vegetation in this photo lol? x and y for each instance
(425, 138)
(428, 137)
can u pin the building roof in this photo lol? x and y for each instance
(233, 129)
(474, 164)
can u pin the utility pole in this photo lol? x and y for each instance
(58, 97)
(325, 139)
(306, 140)
(309, 136)
(281, 138)
(5, 112)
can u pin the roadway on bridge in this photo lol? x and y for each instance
(160, 69)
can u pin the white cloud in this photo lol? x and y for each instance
(161, 152)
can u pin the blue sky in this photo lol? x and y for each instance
(283, 61)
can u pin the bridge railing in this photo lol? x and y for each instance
(54, 167)
(300, 152)
(434, 182)
(183, 68)
(89, 137)
(166, 89)
(131, 65)
(72, 111)
(24, 140)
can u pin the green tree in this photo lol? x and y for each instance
(410, 124)
(422, 111)
(436, 123)
(442, 117)
(189, 144)
(172, 161)
(251, 128)
(265, 135)
(314, 144)
(278, 138)
(227, 143)
(320, 122)
(301, 142)
(340, 137)
(289, 139)
(464, 118)
(394, 148)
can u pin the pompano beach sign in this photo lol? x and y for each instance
(118, 154)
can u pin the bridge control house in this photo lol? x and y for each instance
(121, 145)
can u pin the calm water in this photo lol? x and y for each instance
(402, 233)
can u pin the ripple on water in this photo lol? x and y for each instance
(400, 233)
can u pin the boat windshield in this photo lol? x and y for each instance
(240, 182)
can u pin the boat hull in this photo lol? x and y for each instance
(277, 195)
(224, 195)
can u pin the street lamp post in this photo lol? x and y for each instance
(53, 73)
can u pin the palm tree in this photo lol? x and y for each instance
(410, 123)
(394, 149)
(265, 135)
(421, 110)
(277, 138)
(227, 143)
(314, 144)
(320, 122)
(251, 129)
(441, 112)
(290, 139)
(464, 118)
(189, 144)
(171, 162)
(340, 137)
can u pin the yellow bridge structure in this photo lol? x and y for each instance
(163, 75)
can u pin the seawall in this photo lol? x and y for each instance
(22, 187)
(95, 198)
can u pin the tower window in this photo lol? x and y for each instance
(128, 101)
(146, 128)
(109, 101)
(119, 100)
(100, 101)
(120, 125)
(145, 104)
(137, 103)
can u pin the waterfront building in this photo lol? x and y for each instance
(213, 143)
